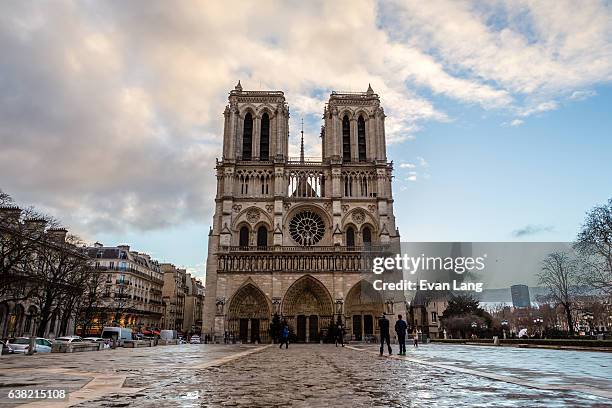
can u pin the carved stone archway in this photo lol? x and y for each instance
(308, 309)
(249, 315)
(363, 307)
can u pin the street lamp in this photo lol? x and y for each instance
(504, 324)
(538, 321)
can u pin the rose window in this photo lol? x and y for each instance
(306, 228)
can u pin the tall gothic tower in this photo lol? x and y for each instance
(288, 233)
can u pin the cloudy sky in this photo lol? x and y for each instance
(498, 112)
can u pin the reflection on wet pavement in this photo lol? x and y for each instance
(323, 375)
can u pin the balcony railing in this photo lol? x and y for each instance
(287, 249)
(132, 271)
(308, 161)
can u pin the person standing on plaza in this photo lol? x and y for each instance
(339, 335)
(400, 329)
(416, 339)
(284, 337)
(383, 325)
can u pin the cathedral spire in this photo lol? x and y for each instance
(238, 87)
(370, 91)
(302, 144)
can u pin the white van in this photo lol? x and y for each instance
(168, 334)
(121, 334)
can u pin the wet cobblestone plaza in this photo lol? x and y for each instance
(317, 376)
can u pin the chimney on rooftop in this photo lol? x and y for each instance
(57, 234)
(35, 225)
(98, 245)
(10, 214)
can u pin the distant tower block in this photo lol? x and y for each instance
(520, 296)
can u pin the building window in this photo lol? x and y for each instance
(244, 237)
(306, 228)
(262, 237)
(247, 137)
(361, 138)
(264, 138)
(367, 236)
(346, 139)
(434, 317)
(350, 237)
(122, 266)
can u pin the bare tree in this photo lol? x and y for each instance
(594, 244)
(19, 242)
(91, 302)
(58, 263)
(560, 275)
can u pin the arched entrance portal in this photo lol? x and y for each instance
(363, 307)
(308, 309)
(249, 315)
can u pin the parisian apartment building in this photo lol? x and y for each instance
(145, 295)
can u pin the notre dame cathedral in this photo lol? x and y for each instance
(288, 233)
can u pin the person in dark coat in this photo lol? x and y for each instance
(284, 337)
(339, 335)
(400, 329)
(383, 325)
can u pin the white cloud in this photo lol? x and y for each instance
(407, 165)
(114, 109)
(582, 95)
(422, 161)
(539, 108)
(411, 177)
(522, 51)
(517, 122)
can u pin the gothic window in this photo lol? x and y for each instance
(350, 237)
(346, 139)
(361, 138)
(264, 138)
(262, 237)
(306, 228)
(247, 137)
(367, 236)
(244, 236)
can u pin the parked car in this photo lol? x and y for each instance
(97, 340)
(6, 348)
(69, 339)
(22, 345)
(195, 340)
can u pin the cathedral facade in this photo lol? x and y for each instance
(289, 234)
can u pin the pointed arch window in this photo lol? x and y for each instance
(262, 237)
(346, 139)
(361, 138)
(244, 236)
(247, 137)
(350, 237)
(367, 236)
(264, 138)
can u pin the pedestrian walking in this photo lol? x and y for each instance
(284, 338)
(383, 325)
(416, 339)
(400, 329)
(339, 335)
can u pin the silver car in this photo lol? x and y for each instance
(22, 345)
(69, 339)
